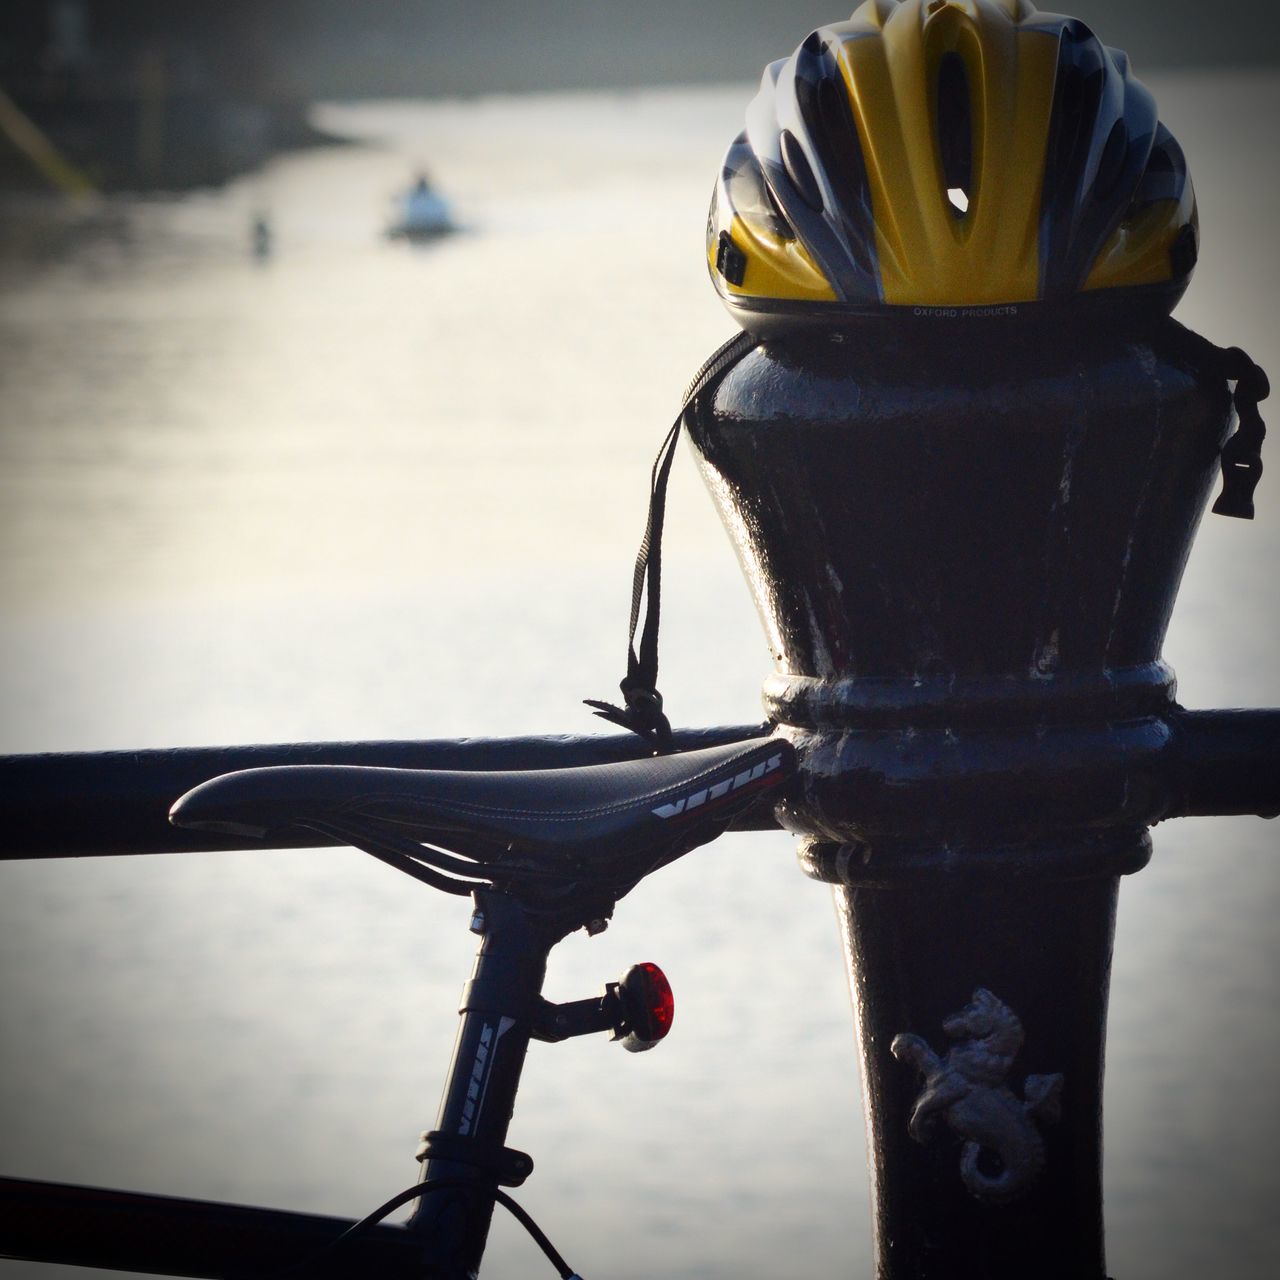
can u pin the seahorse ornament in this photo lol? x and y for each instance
(968, 1089)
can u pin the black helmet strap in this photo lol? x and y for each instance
(1242, 453)
(642, 703)
(642, 710)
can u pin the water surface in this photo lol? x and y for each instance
(356, 489)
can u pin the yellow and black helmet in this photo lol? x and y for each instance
(950, 158)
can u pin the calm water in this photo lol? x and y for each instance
(357, 490)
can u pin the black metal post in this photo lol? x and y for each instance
(965, 550)
(1032, 1188)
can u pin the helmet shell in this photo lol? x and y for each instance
(950, 159)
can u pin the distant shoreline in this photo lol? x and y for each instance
(127, 143)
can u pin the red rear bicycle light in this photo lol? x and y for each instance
(649, 1004)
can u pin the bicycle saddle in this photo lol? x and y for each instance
(602, 823)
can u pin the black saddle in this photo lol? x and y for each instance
(606, 825)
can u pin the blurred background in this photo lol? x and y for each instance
(286, 455)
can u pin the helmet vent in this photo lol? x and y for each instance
(955, 132)
(1081, 83)
(800, 172)
(1111, 163)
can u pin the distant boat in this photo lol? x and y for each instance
(261, 237)
(422, 214)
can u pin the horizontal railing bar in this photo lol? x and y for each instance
(78, 804)
(1226, 762)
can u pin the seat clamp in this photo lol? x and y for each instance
(508, 1167)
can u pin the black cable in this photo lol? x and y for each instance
(443, 1184)
(539, 1236)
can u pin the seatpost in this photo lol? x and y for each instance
(468, 1143)
(965, 547)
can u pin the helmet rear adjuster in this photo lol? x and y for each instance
(731, 262)
(1184, 251)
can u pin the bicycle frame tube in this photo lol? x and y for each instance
(56, 1222)
(498, 1008)
(444, 1239)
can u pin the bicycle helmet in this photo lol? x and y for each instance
(950, 158)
